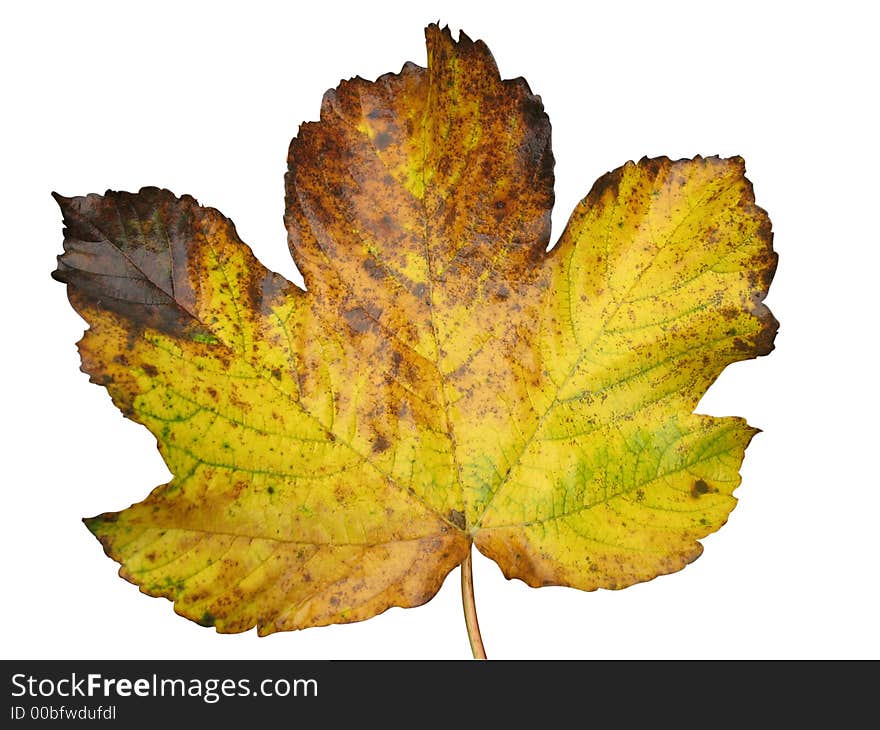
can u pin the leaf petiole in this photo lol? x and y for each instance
(470, 608)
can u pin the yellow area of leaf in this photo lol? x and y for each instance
(443, 380)
(655, 286)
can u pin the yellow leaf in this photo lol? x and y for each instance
(443, 380)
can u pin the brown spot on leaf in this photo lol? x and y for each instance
(456, 518)
(238, 488)
(374, 270)
(358, 319)
(382, 140)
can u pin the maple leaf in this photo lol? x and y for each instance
(444, 380)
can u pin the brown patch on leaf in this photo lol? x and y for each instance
(105, 242)
(456, 518)
(699, 488)
(374, 270)
(358, 319)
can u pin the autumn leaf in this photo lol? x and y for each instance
(443, 381)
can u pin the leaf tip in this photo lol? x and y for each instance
(100, 527)
(442, 48)
(64, 203)
(94, 524)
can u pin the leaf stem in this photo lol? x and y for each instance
(470, 608)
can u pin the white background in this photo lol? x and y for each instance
(204, 98)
